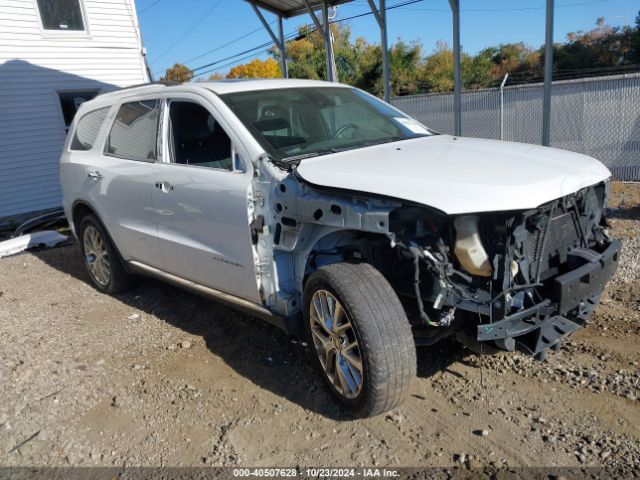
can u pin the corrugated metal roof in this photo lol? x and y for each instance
(291, 8)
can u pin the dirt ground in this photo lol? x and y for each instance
(160, 377)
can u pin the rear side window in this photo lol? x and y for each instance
(88, 128)
(133, 135)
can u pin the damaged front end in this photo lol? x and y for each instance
(507, 280)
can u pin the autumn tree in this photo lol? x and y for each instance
(359, 62)
(215, 76)
(257, 69)
(178, 73)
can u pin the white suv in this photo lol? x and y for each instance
(335, 216)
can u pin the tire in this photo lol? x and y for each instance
(99, 252)
(372, 315)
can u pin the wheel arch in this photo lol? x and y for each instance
(79, 210)
(339, 241)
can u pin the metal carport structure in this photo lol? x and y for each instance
(285, 9)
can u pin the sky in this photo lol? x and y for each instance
(199, 32)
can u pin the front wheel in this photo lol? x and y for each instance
(360, 337)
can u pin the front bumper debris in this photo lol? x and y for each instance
(575, 295)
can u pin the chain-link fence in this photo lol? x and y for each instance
(599, 117)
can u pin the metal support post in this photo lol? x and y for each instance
(548, 77)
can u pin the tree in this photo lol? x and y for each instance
(306, 56)
(216, 76)
(178, 73)
(359, 62)
(256, 69)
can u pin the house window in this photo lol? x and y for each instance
(71, 101)
(65, 15)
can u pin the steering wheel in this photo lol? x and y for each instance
(344, 128)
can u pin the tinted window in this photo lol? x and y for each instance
(197, 139)
(61, 14)
(88, 128)
(133, 134)
(71, 101)
(302, 122)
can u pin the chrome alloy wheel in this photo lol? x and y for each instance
(95, 253)
(336, 345)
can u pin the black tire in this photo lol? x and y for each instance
(385, 342)
(118, 279)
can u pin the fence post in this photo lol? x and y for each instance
(504, 80)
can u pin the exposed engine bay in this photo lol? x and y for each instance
(504, 280)
(517, 280)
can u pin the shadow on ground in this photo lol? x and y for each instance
(629, 213)
(260, 352)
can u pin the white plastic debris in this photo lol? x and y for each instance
(47, 238)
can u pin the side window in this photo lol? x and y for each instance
(196, 138)
(88, 128)
(133, 135)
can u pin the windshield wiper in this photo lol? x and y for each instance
(295, 159)
(302, 156)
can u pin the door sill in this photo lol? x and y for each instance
(221, 297)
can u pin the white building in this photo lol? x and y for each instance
(54, 54)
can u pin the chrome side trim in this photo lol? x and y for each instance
(221, 297)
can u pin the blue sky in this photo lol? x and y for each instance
(178, 31)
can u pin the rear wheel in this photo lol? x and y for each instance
(101, 259)
(360, 337)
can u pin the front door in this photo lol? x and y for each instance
(200, 203)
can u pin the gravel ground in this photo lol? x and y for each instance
(160, 377)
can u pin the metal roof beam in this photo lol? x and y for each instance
(277, 39)
(293, 8)
(313, 16)
(381, 18)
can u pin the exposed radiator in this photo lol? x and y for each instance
(563, 236)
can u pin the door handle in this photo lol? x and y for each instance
(166, 187)
(94, 174)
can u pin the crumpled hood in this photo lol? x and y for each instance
(456, 174)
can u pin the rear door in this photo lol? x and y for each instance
(118, 179)
(200, 195)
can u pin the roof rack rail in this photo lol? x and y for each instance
(166, 83)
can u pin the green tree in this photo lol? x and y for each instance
(359, 62)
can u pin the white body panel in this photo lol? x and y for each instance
(458, 175)
(37, 64)
(203, 227)
(196, 225)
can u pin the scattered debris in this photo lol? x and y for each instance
(47, 238)
(45, 220)
(24, 442)
(185, 344)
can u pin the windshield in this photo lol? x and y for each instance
(294, 123)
